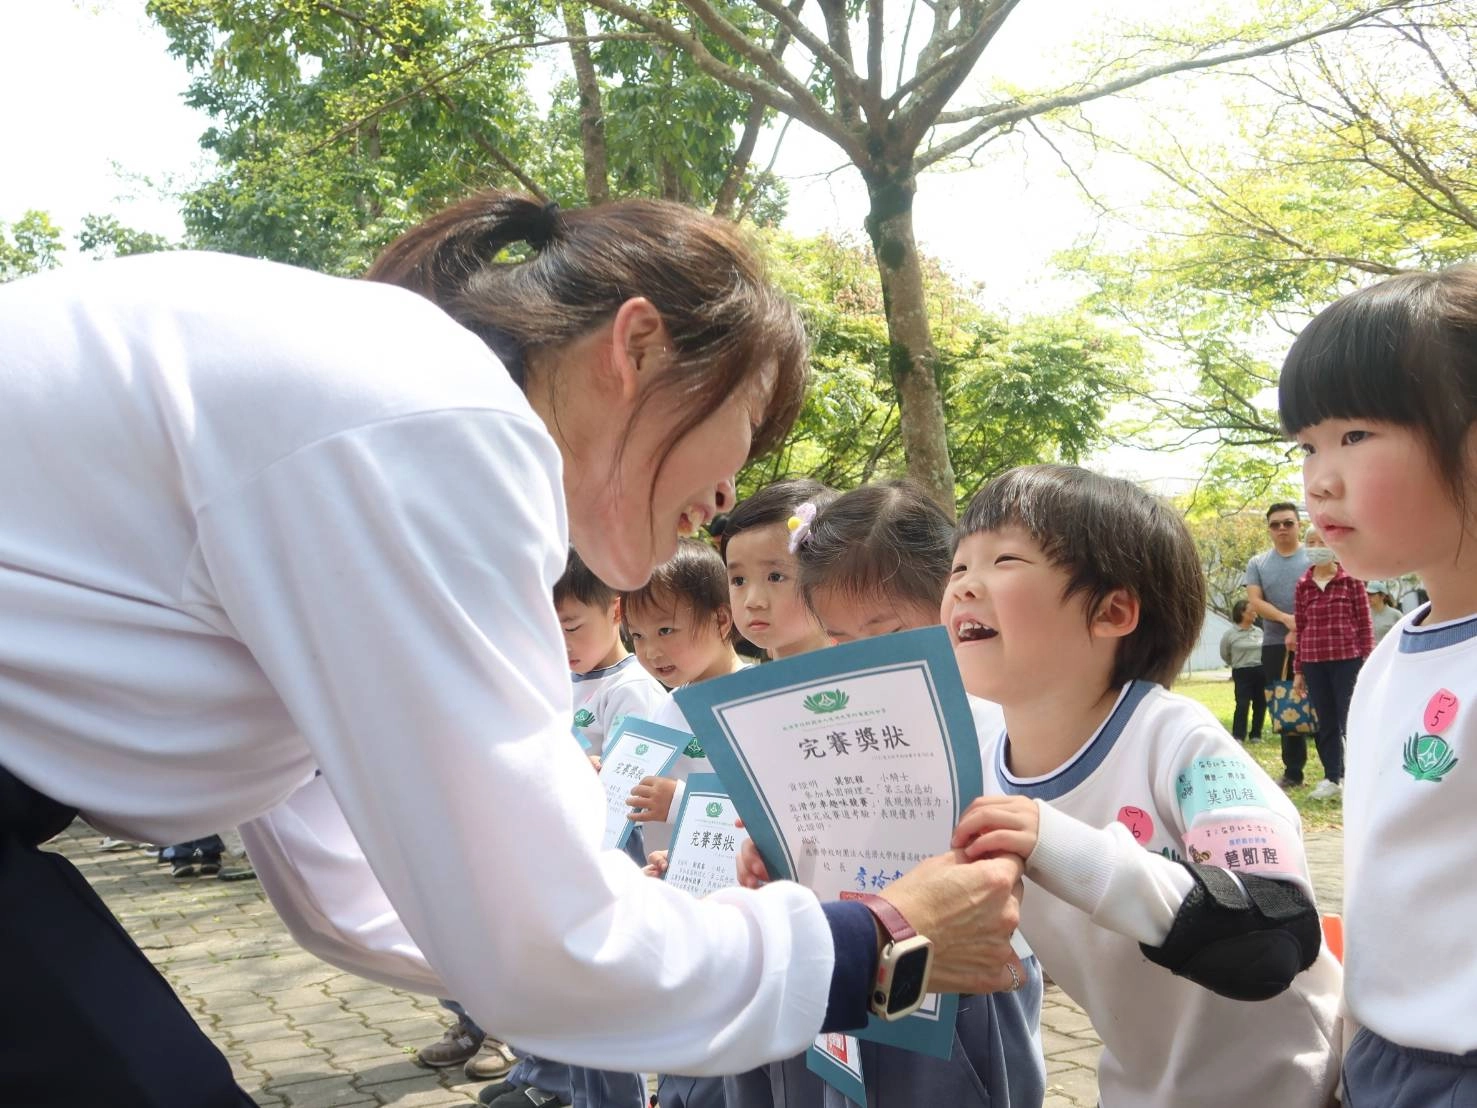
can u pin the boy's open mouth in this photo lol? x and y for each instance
(972, 630)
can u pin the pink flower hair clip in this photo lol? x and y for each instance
(800, 524)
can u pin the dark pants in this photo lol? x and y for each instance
(1294, 747)
(86, 1019)
(1330, 688)
(1381, 1074)
(1251, 696)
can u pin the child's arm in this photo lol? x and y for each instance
(651, 801)
(1241, 934)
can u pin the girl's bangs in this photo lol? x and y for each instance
(1355, 359)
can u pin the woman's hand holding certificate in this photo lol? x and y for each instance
(969, 911)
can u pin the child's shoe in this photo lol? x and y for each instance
(495, 1059)
(458, 1045)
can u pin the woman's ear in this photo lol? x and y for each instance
(638, 345)
(1117, 615)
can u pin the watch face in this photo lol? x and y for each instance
(909, 975)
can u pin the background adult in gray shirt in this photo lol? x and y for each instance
(1271, 578)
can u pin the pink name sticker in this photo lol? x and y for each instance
(1139, 823)
(1440, 711)
(1251, 845)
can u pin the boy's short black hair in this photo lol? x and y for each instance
(694, 576)
(1108, 534)
(1284, 506)
(889, 539)
(774, 503)
(579, 584)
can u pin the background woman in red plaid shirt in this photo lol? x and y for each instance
(1335, 635)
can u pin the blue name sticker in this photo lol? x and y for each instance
(1213, 783)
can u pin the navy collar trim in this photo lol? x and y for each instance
(1415, 639)
(1085, 762)
(597, 674)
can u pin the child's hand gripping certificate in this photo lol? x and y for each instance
(634, 750)
(848, 766)
(705, 842)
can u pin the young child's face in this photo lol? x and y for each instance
(675, 645)
(761, 588)
(1375, 495)
(1006, 615)
(592, 637)
(847, 618)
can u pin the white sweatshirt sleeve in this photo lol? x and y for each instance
(1137, 892)
(319, 881)
(394, 584)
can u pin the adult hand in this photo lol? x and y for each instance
(969, 910)
(1299, 686)
(651, 800)
(1291, 641)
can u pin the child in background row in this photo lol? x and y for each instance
(1167, 882)
(1380, 393)
(1241, 649)
(681, 626)
(755, 545)
(609, 685)
(874, 561)
(608, 682)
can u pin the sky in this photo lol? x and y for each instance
(114, 126)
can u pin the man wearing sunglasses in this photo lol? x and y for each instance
(1271, 578)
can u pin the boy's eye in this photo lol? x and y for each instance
(1006, 558)
(664, 631)
(736, 582)
(958, 569)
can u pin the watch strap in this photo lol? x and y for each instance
(893, 922)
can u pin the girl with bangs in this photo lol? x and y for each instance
(1380, 393)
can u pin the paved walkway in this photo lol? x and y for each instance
(302, 1034)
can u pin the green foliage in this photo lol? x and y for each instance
(29, 245)
(1226, 543)
(1015, 393)
(337, 126)
(102, 236)
(1348, 162)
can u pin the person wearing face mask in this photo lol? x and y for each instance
(260, 521)
(1335, 635)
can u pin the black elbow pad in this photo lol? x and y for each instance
(1246, 941)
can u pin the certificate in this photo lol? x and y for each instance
(837, 1060)
(634, 750)
(849, 766)
(705, 843)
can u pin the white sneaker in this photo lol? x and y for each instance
(1326, 790)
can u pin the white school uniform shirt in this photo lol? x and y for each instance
(1159, 778)
(259, 520)
(603, 697)
(1410, 849)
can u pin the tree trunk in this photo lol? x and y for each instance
(911, 359)
(592, 119)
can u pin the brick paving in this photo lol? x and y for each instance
(302, 1034)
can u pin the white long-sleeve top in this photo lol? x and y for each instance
(1161, 781)
(257, 521)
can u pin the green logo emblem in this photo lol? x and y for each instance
(715, 810)
(832, 701)
(694, 749)
(1428, 757)
(584, 717)
(641, 748)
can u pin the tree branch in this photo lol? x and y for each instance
(990, 118)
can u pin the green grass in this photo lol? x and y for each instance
(1219, 696)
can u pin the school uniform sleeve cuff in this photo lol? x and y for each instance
(854, 937)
